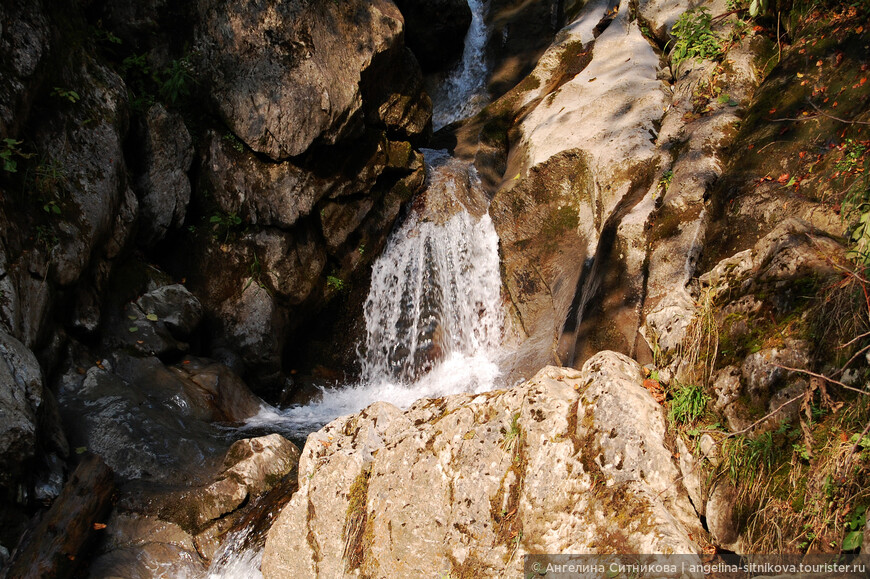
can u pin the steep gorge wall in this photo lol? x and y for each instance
(256, 154)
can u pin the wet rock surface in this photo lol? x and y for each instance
(156, 532)
(571, 460)
(151, 421)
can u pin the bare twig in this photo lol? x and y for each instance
(823, 113)
(825, 378)
(757, 422)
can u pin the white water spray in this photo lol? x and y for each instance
(463, 92)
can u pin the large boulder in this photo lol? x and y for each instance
(21, 398)
(435, 31)
(279, 194)
(87, 176)
(149, 421)
(286, 75)
(571, 461)
(572, 172)
(179, 531)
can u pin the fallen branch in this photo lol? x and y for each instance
(757, 422)
(763, 418)
(825, 378)
(823, 113)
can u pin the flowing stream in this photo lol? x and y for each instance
(462, 93)
(433, 314)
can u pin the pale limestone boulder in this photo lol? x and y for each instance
(570, 461)
(608, 110)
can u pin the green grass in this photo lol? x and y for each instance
(688, 404)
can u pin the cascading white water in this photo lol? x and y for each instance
(434, 296)
(463, 92)
(433, 315)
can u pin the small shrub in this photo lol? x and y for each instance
(177, 79)
(693, 37)
(224, 223)
(335, 283)
(69, 95)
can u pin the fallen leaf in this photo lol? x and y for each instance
(81, 449)
(151, 317)
(132, 329)
(99, 526)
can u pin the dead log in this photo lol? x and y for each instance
(51, 550)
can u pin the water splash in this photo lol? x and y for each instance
(463, 92)
(237, 558)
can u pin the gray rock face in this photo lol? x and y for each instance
(793, 250)
(85, 144)
(163, 187)
(21, 395)
(571, 461)
(24, 40)
(280, 194)
(721, 518)
(175, 533)
(287, 74)
(435, 31)
(151, 421)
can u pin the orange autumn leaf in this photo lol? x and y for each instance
(99, 526)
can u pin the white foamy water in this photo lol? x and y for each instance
(433, 323)
(236, 559)
(463, 92)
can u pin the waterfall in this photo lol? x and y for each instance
(463, 92)
(433, 314)
(435, 296)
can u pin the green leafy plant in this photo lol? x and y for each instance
(854, 531)
(234, 142)
(69, 95)
(688, 404)
(757, 7)
(100, 35)
(256, 270)
(665, 181)
(855, 207)
(335, 283)
(9, 150)
(177, 79)
(224, 223)
(693, 37)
